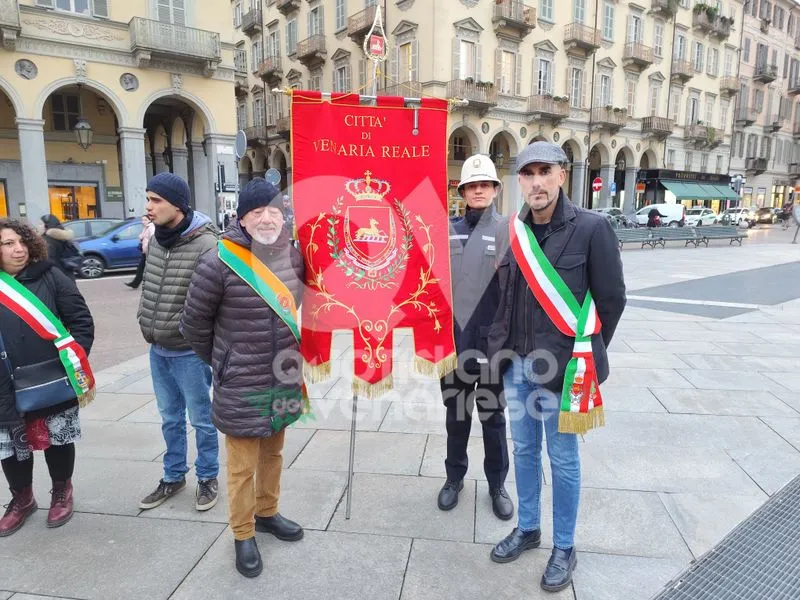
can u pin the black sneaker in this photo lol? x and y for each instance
(206, 494)
(162, 492)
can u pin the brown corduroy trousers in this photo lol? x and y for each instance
(254, 480)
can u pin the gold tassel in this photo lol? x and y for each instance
(87, 398)
(362, 389)
(580, 423)
(316, 373)
(437, 369)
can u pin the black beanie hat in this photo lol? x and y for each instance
(256, 193)
(173, 189)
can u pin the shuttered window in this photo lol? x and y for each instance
(95, 8)
(172, 11)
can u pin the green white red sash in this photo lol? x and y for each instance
(581, 403)
(267, 285)
(19, 300)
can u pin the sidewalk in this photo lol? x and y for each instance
(702, 426)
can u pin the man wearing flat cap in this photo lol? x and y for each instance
(241, 318)
(563, 295)
(473, 265)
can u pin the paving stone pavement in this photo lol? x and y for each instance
(702, 427)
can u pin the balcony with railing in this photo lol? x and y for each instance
(637, 56)
(755, 164)
(665, 8)
(287, 6)
(311, 51)
(794, 170)
(660, 127)
(360, 23)
(721, 28)
(581, 39)
(765, 73)
(407, 89)
(701, 21)
(153, 38)
(607, 117)
(282, 126)
(746, 115)
(682, 70)
(794, 86)
(270, 69)
(729, 86)
(481, 96)
(696, 134)
(251, 21)
(548, 108)
(256, 135)
(774, 124)
(514, 16)
(9, 23)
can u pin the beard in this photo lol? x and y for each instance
(266, 239)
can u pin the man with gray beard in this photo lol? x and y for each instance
(241, 318)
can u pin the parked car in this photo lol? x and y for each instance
(86, 228)
(116, 248)
(741, 217)
(617, 218)
(767, 215)
(699, 216)
(673, 215)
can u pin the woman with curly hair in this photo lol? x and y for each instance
(28, 277)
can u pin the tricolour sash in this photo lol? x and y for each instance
(272, 290)
(581, 403)
(19, 300)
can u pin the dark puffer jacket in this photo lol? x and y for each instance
(234, 330)
(60, 294)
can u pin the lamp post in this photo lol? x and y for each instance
(83, 129)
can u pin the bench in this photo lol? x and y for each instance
(683, 234)
(634, 236)
(721, 232)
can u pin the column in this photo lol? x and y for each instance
(180, 162)
(161, 164)
(629, 201)
(220, 152)
(578, 183)
(134, 170)
(607, 175)
(148, 162)
(203, 195)
(34, 168)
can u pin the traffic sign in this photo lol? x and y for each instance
(273, 176)
(241, 144)
(597, 184)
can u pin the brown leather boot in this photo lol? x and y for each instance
(22, 505)
(60, 504)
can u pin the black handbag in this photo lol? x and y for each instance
(41, 385)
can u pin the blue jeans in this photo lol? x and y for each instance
(533, 410)
(181, 383)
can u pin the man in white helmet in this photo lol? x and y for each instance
(476, 294)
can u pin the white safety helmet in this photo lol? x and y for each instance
(478, 167)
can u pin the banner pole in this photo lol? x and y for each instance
(352, 457)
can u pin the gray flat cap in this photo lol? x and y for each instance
(541, 152)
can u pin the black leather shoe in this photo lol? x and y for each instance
(448, 495)
(558, 573)
(502, 505)
(514, 544)
(248, 558)
(281, 527)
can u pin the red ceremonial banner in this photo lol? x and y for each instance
(369, 195)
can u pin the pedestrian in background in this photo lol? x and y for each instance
(181, 380)
(144, 242)
(61, 250)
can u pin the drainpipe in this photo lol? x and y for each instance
(586, 177)
(669, 79)
(738, 100)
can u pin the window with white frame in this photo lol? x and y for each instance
(315, 82)
(652, 100)
(630, 96)
(709, 118)
(544, 76)
(95, 8)
(605, 96)
(257, 54)
(692, 110)
(703, 162)
(341, 15)
(785, 65)
(241, 115)
(758, 100)
(671, 158)
(608, 21)
(316, 23)
(697, 57)
(168, 11)
(237, 14)
(507, 72)
(724, 106)
(546, 10)
(273, 43)
(576, 87)
(658, 39)
(258, 111)
(467, 57)
(680, 47)
(728, 69)
(688, 159)
(746, 50)
(579, 11)
(712, 64)
(341, 79)
(635, 28)
(674, 104)
(718, 168)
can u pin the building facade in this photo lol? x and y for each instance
(765, 153)
(620, 86)
(97, 95)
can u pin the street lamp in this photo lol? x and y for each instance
(83, 129)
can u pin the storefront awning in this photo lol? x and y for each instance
(689, 191)
(726, 193)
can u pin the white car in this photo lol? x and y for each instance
(672, 215)
(699, 216)
(742, 217)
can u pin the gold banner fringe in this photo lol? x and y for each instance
(316, 373)
(572, 422)
(437, 369)
(87, 398)
(362, 389)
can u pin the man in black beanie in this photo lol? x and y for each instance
(243, 325)
(181, 381)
